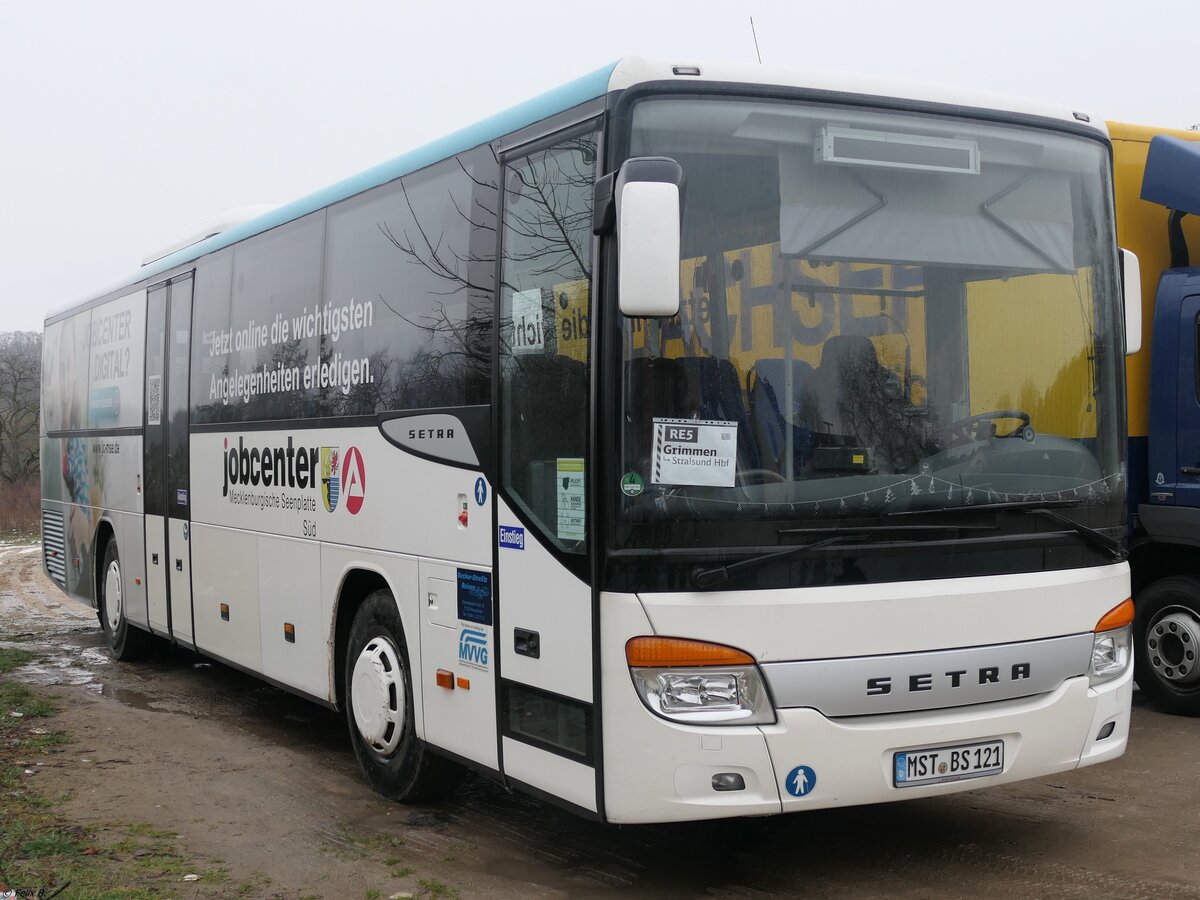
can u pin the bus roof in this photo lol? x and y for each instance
(621, 75)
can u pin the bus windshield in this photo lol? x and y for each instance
(880, 312)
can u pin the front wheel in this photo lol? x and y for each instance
(125, 641)
(1166, 635)
(379, 709)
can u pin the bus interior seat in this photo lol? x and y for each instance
(848, 384)
(689, 388)
(767, 391)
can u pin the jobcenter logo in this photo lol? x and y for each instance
(299, 467)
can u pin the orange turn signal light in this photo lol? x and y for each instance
(445, 679)
(1117, 617)
(464, 683)
(665, 653)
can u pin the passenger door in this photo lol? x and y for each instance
(166, 459)
(544, 623)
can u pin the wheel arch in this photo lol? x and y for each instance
(105, 532)
(358, 581)
(1152, 560)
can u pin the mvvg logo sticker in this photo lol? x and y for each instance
(473, 648)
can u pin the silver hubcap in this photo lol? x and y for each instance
(112, 596)
(377, 695)
(1173, 645)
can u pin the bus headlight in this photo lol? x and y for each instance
(1110, 655)
(1112, 645)
(698, 682)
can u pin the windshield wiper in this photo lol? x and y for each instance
(720, 574)
(1044, 508)
(1093, 536)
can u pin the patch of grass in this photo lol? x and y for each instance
(18, 698)
(253, 886)
(42, 851)
(402, 872)
(13, 658)
(347, 843)
(437, 888)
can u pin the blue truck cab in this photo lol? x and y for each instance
(1157, 186)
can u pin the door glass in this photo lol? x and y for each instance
(156, 319)
(178, 342)
(546, 272)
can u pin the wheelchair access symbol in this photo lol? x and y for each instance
(800, 781)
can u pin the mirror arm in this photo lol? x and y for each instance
(604, 205)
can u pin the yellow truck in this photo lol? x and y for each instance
(1157, 186)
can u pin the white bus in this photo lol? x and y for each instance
(688, 442)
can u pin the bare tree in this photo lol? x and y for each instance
(20, 400)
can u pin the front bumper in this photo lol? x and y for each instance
(657, 771)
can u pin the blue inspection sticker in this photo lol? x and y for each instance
(480, 491)
(801, 781)
(475, 596)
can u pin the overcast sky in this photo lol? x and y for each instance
(125, 125)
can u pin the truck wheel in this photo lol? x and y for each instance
(125, 642)
(1166, 635)
(379, 709)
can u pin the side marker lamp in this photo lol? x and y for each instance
(698, 682)
(1112, 645)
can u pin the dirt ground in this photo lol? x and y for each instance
(264, 786)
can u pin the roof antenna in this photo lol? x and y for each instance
(754, 34)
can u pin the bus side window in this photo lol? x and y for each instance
(546, 271)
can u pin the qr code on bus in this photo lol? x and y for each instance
(154, 400)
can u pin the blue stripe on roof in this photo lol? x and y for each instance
(543, 106)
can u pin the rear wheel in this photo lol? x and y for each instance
(1167, 644)
(379, 709)
(125, 641)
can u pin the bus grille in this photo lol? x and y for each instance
(53, 546)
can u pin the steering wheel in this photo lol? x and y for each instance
(968, 429)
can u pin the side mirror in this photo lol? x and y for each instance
(1131, 289)
(648, 203)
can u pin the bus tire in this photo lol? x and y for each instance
(379, 709)
(125, 642)
(1166, 644)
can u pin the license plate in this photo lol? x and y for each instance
(914, 767)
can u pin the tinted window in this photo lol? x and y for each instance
(268, 359)
(115, 338)
(210, 319)
(413, 263)
(544, 314)
(65, 374)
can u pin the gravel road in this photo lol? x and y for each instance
(266, 784)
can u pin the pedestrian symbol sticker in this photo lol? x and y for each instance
(800, 781)
(480, 491)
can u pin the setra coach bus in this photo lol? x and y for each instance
(688, 442)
